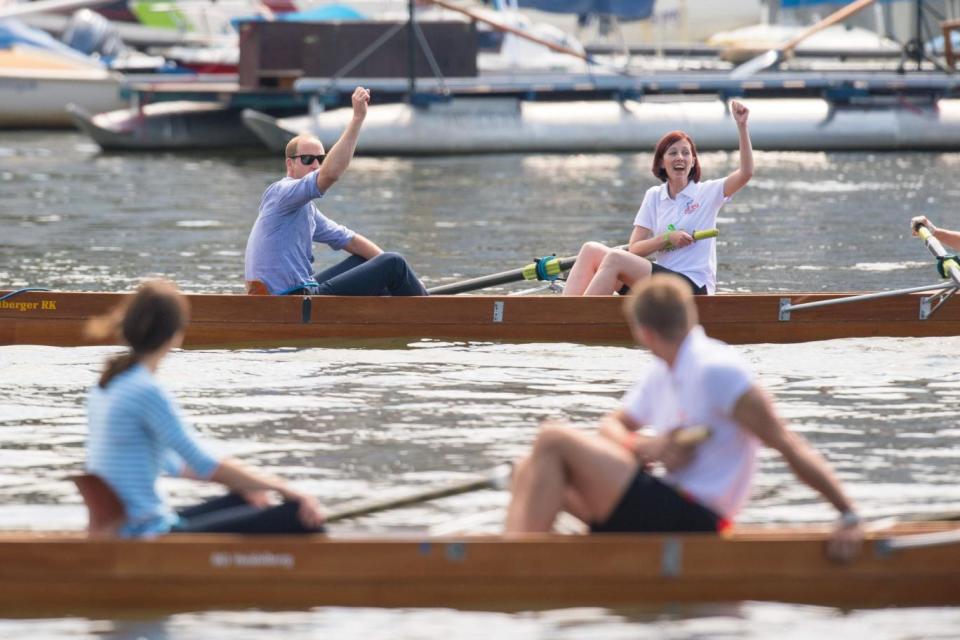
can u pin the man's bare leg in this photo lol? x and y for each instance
(616, 268)
(568, 469)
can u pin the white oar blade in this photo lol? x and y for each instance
(755, 65)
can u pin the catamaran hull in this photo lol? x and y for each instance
(494, 125)
(51, 573)
(57, 318)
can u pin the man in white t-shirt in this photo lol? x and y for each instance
(697, 413)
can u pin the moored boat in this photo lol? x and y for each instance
(498, 125)
(57, 318)
(910, 564)
(165, 125)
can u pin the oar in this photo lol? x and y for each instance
(777, 55)
(543, 269)
(493, 479)
(946, 263)
(41, 6)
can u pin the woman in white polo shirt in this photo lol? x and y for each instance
(665, 223)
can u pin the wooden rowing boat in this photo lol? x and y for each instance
(68, 573)
(57, 318)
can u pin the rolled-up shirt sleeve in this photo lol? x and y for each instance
(330, 233)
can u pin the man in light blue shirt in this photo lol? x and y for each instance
(279, 257)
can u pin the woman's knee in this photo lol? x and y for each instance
(593, 251)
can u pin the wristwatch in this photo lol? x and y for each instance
(850, 519)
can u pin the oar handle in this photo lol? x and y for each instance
(706, 233)
(947, 264)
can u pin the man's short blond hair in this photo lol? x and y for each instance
(294, 145)
(664, 304)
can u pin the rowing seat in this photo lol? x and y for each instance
(105, 511)
(257, 288)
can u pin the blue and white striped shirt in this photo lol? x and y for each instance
(135, 433)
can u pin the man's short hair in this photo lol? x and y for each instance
(664, 304)
(294, 145)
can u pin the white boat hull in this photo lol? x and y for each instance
(35, 98)
(508, 125)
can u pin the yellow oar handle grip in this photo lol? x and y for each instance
(546, 268)
(948, 266)
(706, 233)
(923, 232)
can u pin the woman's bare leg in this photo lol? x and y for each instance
(588, 261)
(616, 268)
(587, 471)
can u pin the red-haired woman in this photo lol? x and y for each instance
(669, 215)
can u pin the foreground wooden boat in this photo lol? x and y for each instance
(68, 573)
(222, 320)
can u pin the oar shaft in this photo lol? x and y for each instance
(492, 479)
(553, 267)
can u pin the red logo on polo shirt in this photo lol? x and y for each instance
(693, 206)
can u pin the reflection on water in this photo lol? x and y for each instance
(351, 423)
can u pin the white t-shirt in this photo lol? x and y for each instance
(702, 388)
(694, 209)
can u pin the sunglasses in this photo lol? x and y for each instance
(307, 159)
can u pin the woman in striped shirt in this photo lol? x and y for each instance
(136, 432)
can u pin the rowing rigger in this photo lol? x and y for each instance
(947, 265)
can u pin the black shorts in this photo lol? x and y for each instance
(697, 290)
(650, 506)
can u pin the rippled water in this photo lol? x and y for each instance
(348, 423)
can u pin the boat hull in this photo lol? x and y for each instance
(494, 125)
(174, 125)
(38, 98)
(47, 573)
(58, 318)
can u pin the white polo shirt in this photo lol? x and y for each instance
(702, 388)
(694, 209)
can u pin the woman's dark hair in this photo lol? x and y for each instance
(661, 149)
(145, 322)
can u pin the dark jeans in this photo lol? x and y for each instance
(387, 274)
(232, 514)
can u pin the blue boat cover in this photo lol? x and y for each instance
(15, 33)
(622, 9)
